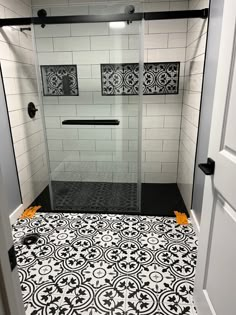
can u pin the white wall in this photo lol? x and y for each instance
(17, 60)
(87, 153)
(195, 55)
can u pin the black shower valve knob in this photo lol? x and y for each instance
(32, 110)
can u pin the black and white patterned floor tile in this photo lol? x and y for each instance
(101, 264)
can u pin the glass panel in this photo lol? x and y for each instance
(93, 167)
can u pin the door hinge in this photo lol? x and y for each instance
(12, 257)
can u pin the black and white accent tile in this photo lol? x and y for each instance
(123, 79)
(60, 80)
(106, 264)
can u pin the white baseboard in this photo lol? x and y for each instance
(194, 221)
(16, 214)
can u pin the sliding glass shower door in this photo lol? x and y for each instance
(90, 78)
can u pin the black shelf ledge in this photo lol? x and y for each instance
(101, 122)
(165, 15)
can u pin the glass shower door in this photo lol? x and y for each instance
(91, 104)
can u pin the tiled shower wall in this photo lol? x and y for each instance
(17, 61)
(88, 153)
(195, 55)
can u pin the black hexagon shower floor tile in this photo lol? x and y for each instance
(101, 264)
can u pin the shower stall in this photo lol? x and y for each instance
(111, 80)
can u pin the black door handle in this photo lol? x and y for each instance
(208, 168)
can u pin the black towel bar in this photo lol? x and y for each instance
(104, 122)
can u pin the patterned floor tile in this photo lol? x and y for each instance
(106, 264)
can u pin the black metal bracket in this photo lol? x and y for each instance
(12, 257)
(105, 122)
(208, 168)
(165, 15)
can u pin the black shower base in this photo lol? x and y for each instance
(117, 198)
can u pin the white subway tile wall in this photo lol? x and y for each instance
(112, 149)
(18, 67)
(195, 55)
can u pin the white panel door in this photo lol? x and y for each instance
(215, 286)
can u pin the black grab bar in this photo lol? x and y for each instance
(91, 122)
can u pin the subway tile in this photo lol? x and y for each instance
(178, 5)
(93, 111)
(152, 145)
(162, 133)
(94, 134)
(169, 167)
(164, 109)
(83, 98)
(80, 166)
(57, 167)
(168, 26)
(66, 176)
(196, 48)
(89, 29)
(69, 10)
(149, 167)
(71, 43)
(192, 99)
(22, 131)
(54, 144)
(162, 156)
(166, 54)
(170, 145)
(124, 56)
(189, 129)
(57, 30)
(60, 134)
(133, 145)
(150, 122)
(96, 72)
(95, 156)
(52, 122)
(133, 28)
(172, 121)
(100, 99)
(125, 156)
(160, 178)
(58, 110)
(125, 110)
(112, 167)
(84, 72)
(81, 145)
(177, 40)
(109, 42)
(157, 6)
(111, 145)
(86, 85)
(133, 122)
(60, 156)
(195, 66)
(96, 177)
(125, 134)
(150, 41)
(91, 57)
(124, 177)
(44, 44)
(54, 58)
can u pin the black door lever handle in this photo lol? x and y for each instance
(208, 168)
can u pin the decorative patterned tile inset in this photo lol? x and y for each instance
(159, 78)
(60, 80)
(106, 264)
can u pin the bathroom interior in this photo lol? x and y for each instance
(104, 111)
